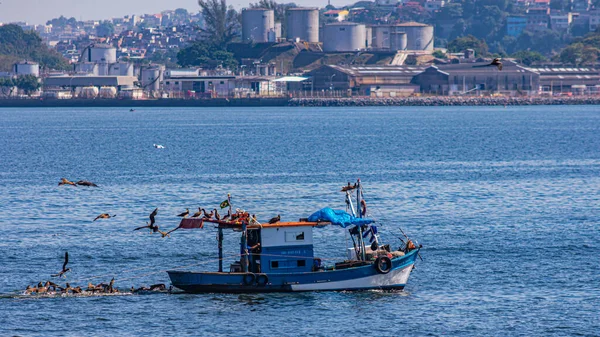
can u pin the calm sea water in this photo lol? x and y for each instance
(506, 202)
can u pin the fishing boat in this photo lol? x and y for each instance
(279, 256)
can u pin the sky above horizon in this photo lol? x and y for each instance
(40, 11)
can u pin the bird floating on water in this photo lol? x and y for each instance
(104, 216)
(158, 146)
(64, 268)
(86, 183)
(65, 181)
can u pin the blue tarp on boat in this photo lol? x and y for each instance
(338, 217)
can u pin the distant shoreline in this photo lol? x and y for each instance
(301, 102)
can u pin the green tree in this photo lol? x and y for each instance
(6, 86)
(27, 83)
(468, 42)
(221, 21)
(528, 57)
(439, 54)
(105, 29)
(579, 54)
(17, 45)
(206, 55)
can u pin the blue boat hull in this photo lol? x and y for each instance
(355, 278)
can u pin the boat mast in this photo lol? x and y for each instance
(244, 248)
(360, 233)
(349, 201)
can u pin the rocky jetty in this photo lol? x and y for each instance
(444, 101)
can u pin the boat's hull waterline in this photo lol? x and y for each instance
(365, 277)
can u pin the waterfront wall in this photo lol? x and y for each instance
(301, 102)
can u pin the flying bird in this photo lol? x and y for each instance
(152, 215)
(184, 214)
(149, 226)
(158, 146)
(105, 216)
(65, 181)
(275, 219)
(64, 268)
(86, 183)
(495, 62)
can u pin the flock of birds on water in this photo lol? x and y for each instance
(108, 288)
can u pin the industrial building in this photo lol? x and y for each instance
(388, 37)
(258, 25)
(88, 86)
(477, 78)
(365, 80)
(302, 24)
(419, 36)
(575, 80)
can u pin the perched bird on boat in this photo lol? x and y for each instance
(41, 289)
(94, 288)
(104, 216)
(65, 181)
(64, 268)
(217, 216)
(208, 215)
(348, 187)
(86, 183)
(184, 214)
(30, 290)
(275, 219)
(158, 146)
(226, 216)
(76, 290)
(197, 214)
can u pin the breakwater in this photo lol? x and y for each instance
(444, 101)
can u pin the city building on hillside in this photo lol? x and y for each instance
(560, 21)
(539, 4)
(337, 14)
(581, 5)
(515, 25)
(576, 80)
(538, 19)
(594, 17)
(434, 5)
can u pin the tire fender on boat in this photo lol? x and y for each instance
(249, 279)
(262, 280)
(383, 264)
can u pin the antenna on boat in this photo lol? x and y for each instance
(361, 242)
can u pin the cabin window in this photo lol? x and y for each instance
(301, 263)
(294, 236)
(274, 264)
(222, 82)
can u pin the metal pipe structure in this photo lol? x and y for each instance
(220, 239)
(361, 242)
(244, 248)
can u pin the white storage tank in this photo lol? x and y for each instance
(87, 68)
(88, 92)
(302, 24)
(257, 23)
(107, 92)
(27, 68)
(121, 69)
(151, 78)
(419, 36)
(398, 40)
(102, 69)
(344, 37)
(102, 53)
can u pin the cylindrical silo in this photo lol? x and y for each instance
(87, 68)
(380, 37)
(278, 30)
(102, 53)
(303, 24)
(419, 36)
(27, 68)
(344, 37)
(151, 78)
(121, 69)
(257, 23)
(398, 40)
